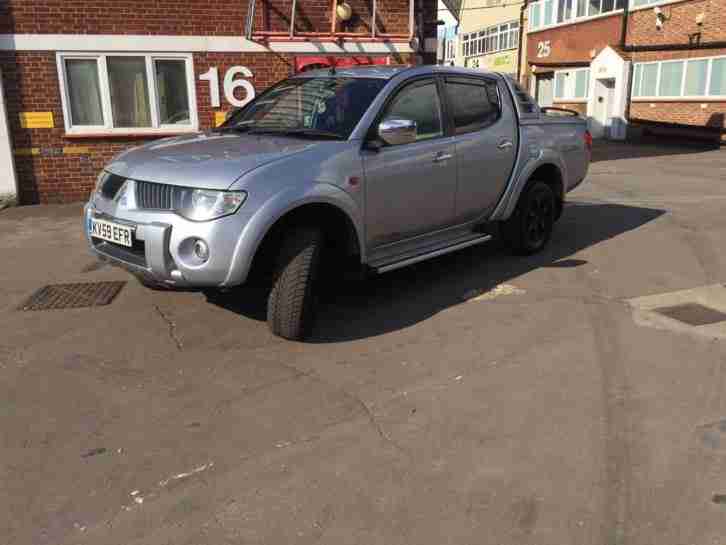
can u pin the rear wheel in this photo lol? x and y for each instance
(529, 229)
(292, 300)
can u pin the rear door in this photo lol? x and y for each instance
(410, 188)
(485, 137)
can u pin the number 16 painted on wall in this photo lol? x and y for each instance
(230, 84)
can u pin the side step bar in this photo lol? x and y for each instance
(435, 253)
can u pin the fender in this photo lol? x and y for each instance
(509, 200)
(274, 209)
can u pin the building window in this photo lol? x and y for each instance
(127, 93)
(572, 85)
(491, 40)
(544, 13)
(698, 78)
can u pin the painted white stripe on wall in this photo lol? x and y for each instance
(189, 44)
(7, 166)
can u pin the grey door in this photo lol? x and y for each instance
(485, 140)
(410, 189)
(545, 87)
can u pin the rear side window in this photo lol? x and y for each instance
(474, 104)
(418, 102)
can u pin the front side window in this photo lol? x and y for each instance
(127, 93)
(418, 102)
(474, 104)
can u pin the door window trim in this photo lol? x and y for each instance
(371, 135)
(463, 79)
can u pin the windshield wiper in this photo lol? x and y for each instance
(300, 131)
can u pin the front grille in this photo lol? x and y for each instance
(111, 185)
(155, 196)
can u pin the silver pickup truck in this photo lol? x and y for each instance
(379, 167)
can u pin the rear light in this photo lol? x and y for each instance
(588, 140)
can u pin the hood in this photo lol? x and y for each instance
(205, 160)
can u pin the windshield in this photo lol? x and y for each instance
(319, 107)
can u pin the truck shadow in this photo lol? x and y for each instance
(400, 299)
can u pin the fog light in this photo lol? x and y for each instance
(201, 250)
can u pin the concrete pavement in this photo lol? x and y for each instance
(476, 398)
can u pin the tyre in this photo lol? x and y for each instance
(529, 228)
(291, 303)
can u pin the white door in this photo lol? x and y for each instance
(544, 91)
(7, 168)
(602, 112)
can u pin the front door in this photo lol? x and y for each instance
(7, 169)
(544, 91)
(602, 111)
(486, 143)
(410, 188)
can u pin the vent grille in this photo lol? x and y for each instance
(111, 185)
(155, 196)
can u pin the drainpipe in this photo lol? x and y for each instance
(521, 38)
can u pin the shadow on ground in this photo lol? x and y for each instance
(603, 150)
(402, 298)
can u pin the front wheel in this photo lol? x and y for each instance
(529, 228)
(291, 304)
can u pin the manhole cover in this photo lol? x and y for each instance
(88, 294)
(693, 314)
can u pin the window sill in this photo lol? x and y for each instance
(581, 20)
(130, 134)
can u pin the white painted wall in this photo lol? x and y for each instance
(7, 166)
(608, 64)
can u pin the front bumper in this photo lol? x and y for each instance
(161, 250)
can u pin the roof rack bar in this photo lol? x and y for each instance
(373, 20)
(249, 23)
(410, 19)
(292, 19)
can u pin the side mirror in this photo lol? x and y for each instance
(395, 132)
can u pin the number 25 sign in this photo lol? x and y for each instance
(230, 84)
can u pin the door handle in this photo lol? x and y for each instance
(506, 144)
(439, 157)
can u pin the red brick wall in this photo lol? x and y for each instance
(679, 112)
(680, 23)
(31, 84)
(573, 43)
(191, 17)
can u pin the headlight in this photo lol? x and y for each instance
(206, 204)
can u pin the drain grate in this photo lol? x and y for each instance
(87, 294)
(693, 314)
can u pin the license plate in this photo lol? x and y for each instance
(112, 232)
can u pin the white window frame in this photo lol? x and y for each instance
(107, 128)
(569, 90)
(651, 5)
(474, 43)
(574, 19)
(681, 97)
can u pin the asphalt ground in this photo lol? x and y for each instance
(479, 398)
